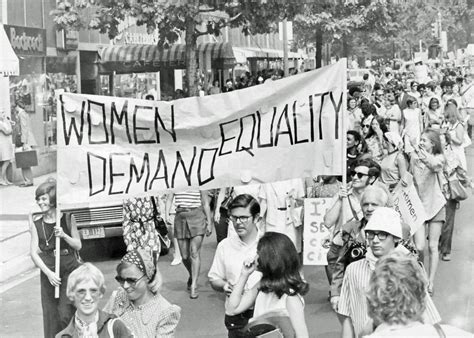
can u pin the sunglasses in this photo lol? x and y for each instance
(366, 126)
(130, 281)
(382, 235)
(81, 293)
(358, 174)
(241, 219)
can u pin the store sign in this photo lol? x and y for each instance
(131, 34)
(110, 148)
(26, 40)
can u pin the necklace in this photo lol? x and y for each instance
(44, 233)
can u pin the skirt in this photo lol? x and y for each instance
(189, 223)
(440, 216)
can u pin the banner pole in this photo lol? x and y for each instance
(344, 133)
(58, 252)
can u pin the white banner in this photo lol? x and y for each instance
(110, 147)
(316, 235)
(408, 204)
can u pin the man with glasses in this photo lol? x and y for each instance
(379, 102)
(231, 252)
(383, 233)
(365, 173)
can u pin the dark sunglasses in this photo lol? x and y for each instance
(358, 174)
(366, 126)
(382, 235)
(131, 281)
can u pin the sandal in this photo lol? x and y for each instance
(194, 294)
(430, 289)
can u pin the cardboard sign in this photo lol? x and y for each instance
(316, 235)
(408, 204)
(111, 148)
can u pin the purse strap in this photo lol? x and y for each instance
(155, 209)
(440, 330)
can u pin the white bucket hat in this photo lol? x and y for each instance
(387, 220)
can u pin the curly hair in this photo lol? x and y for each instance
(280, 266)
(397, 290)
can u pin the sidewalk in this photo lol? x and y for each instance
(16, 203)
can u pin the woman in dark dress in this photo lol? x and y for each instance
(57, 312)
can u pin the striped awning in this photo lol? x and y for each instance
(9, 64)
(149, 58)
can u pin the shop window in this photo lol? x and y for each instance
(137, 85)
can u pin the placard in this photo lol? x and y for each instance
(316, 235)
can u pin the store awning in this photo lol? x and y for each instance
(243, 53)
(149, 58)
(9, 64)
(61, 64)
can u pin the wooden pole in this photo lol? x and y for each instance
(344, 132)
(58, 252)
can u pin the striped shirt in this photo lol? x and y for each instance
(353, 301)
(189, 199)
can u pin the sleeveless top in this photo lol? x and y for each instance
(47, 243)
(269, 302)
(390, 173)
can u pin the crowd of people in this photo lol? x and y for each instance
(401, 132)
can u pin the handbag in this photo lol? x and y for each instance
(26, 159)
(161, 229)
(224, 208)
(457, 190)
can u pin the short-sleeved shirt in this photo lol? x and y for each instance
(353, 301)
(189, 199)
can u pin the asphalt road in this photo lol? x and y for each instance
(454, 295)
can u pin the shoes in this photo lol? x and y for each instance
(430, 289)
(194, 294)
(176, 260)
(23, 185)
(446, 257)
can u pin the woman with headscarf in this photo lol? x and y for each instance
(138, 302)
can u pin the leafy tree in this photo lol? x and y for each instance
(172, 17)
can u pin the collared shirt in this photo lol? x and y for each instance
(353, 301)
(229, 258)
(86, 330)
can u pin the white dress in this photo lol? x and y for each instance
(412, 129)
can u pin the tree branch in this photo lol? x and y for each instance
(197, 32)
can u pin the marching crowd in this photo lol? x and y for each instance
(401, 133)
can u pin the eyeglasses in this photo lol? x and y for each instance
(131, 281)
(365, 125)
(241, 219)
(358, 174)
(382, 235)
(81, 293)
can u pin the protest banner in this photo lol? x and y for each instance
(110, 148)
(316, 235)
(408, 204)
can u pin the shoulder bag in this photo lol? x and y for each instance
(161, 229)
(75, 252)
(224, 208)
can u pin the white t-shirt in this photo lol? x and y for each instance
(418, 331)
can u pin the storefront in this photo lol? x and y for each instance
(137, 70)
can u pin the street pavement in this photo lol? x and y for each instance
(454, 295)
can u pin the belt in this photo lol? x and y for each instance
(62, 252)
(281, 209)
(179, 209)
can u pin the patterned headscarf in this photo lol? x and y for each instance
(142, 260)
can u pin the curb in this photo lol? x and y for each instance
(13, 217)
(15, 267)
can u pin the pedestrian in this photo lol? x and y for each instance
(434, 114)
(138, 226)
(365, 173)
(229, 86)
(426, 165)
(86, 287)
(281, 288)
(57, 312)
(412, 124)
(215, 88)
(383, 232)
(6, 147)
(397, 300)
(374, 138)
(231, 252)
(27, 140)
(192, 220)
(394, 165)
(281, 205)
(354, 115)
(138, 303)
(456, 133)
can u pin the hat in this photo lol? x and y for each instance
(387, 220)
(143, 261)
(394, 138)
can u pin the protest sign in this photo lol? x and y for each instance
(110, 148)
(408, 204)
(316, 235)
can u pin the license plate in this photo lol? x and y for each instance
(96, 232)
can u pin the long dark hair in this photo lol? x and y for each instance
(280, 266)
(382, 124)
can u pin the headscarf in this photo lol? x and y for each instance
(142, 260)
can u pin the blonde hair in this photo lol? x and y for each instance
(85, 272)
